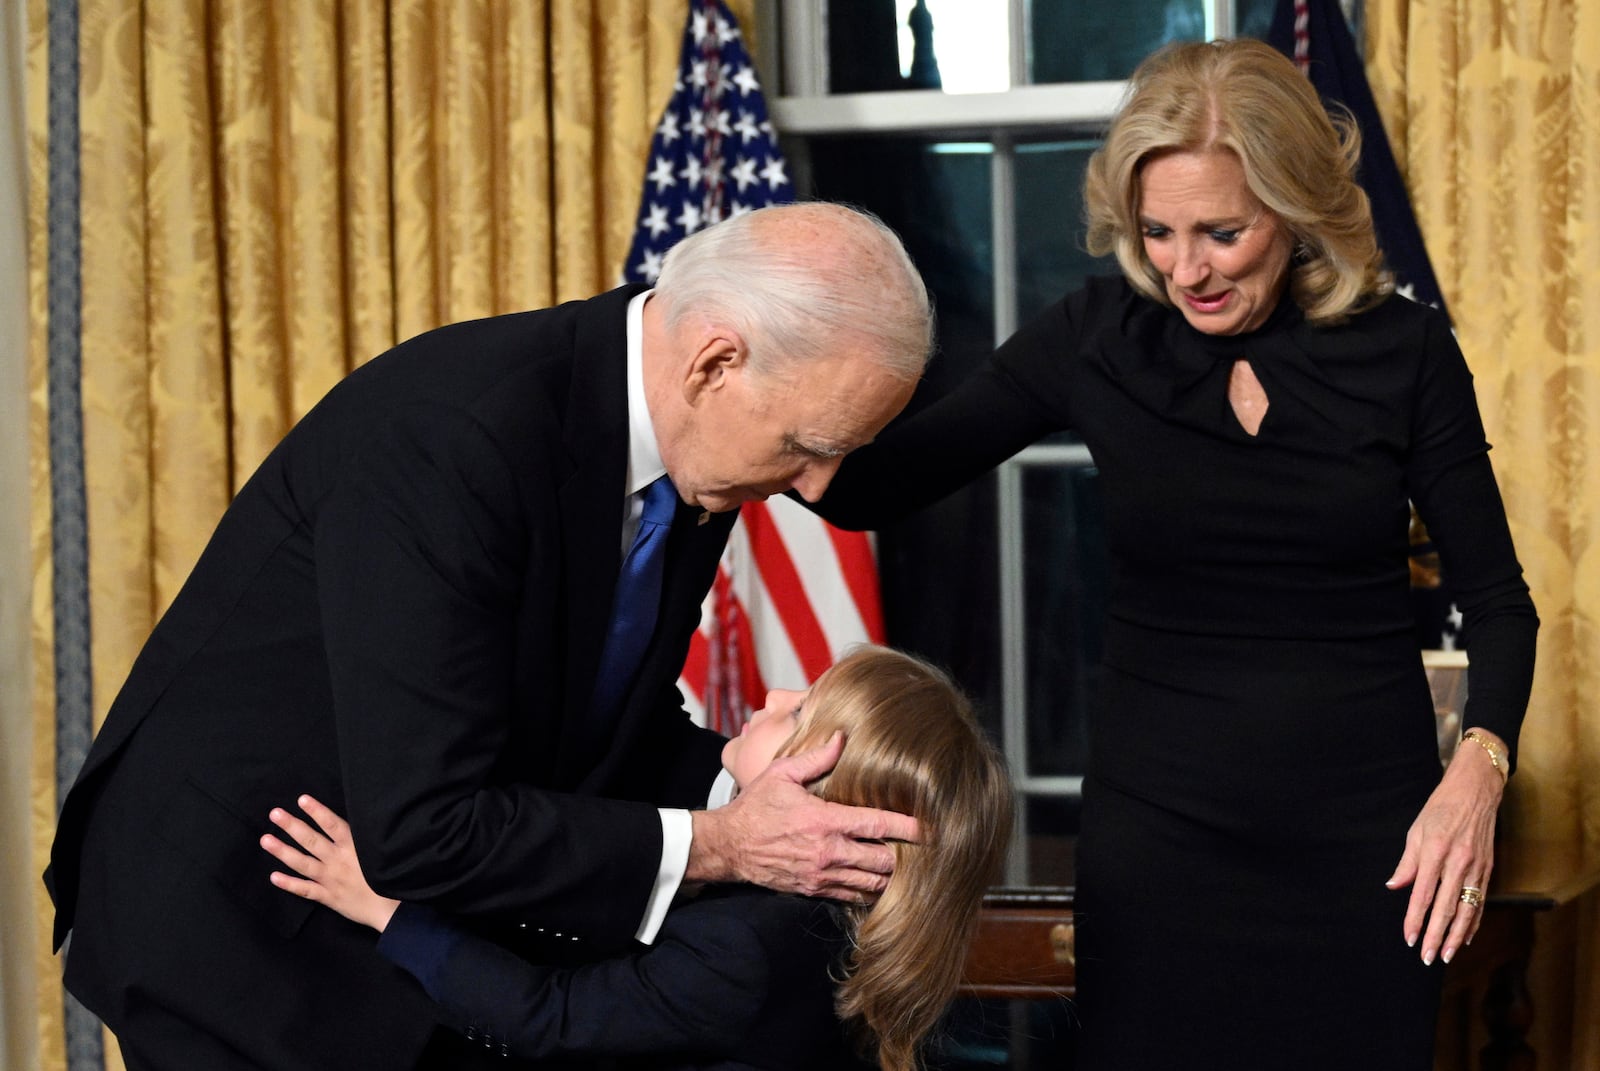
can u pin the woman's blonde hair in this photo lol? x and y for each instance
(1248, 98)
(911, 745)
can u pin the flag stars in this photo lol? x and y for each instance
(746, 81)
(689, 219)
(691, 172)
(697, 173)
(746, 126)
(656, 221)
(773, 173)
(661, 174)
(650, 266)
(744, 172)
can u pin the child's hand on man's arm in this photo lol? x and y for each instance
(328, 871)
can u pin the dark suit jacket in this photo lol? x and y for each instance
(738, 980)
(402, 613)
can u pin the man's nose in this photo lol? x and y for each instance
(814, 479)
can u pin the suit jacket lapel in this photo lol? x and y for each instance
(596, 437)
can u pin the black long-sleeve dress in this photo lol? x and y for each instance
(1264, 734)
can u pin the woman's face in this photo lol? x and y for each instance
(1224, 254)
(747, 754)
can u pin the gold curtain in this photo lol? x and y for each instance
(1496, 105)
(273, 191)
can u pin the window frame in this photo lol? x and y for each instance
(804, 110)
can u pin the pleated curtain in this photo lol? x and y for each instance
(1493, 108)
(232, 204)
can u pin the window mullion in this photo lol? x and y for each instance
(1018, 30)
(1003, 226)
(1220, 19)
(805, 48)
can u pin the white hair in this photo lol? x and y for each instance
(797, 280)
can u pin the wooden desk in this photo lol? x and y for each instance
(1025, 949)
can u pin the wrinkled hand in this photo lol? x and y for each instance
(330, 874)
(777, 834)
(1450, 846)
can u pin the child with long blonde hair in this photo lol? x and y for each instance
(740, 977)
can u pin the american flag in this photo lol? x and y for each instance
(1316, 36)
(791, 592)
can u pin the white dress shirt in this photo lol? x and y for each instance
(644, 468)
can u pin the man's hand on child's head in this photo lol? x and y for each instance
(777, 834)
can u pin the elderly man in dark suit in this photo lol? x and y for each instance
(405, 613)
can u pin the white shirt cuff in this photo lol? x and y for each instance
(677, 834)
(677, 831)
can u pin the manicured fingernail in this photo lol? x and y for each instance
(1389, 884)
(1447, 954)
(275, 814)
(1427, 957)
(1411, 940)
(303, 800)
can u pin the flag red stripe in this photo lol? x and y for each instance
(695, 664)
(777, 569)
(860, 573)
(752, 685)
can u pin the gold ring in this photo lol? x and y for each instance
(1471, 895)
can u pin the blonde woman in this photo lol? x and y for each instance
(1271, 866)
(741, 977)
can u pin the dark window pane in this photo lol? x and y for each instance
(1104, 41)
(1051, 839)
(1253, 18)
(960, 46)
(1064, 595)
(993, 1035)
(1051, 258)
(938, 568)
(937, 197)
(864, 47)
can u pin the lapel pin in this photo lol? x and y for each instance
(704, 517)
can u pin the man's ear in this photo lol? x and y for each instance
(719, 353)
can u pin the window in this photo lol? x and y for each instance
(966, 125)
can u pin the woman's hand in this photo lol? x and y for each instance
(1450, 847)
(330, 874)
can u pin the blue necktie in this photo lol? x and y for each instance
(637, 600)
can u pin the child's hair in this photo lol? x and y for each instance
(911, 745)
